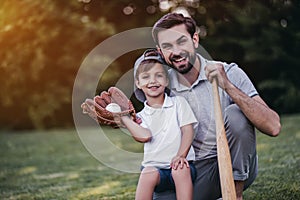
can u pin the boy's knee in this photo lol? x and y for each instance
(149, 170)
(150, 173)
(181, 172)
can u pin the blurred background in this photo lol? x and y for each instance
(43, 43)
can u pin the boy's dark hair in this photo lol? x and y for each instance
(170, 20)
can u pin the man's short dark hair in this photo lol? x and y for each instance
(170, 20)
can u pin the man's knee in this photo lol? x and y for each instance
(236, 123)
(242, 143)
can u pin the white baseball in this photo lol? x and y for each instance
(113, 107)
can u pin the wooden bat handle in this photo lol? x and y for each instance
(224, 158)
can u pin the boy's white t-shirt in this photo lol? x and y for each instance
(164, 124)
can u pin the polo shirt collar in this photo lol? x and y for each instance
(167, 103)
(175, 85)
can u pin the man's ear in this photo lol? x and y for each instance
(195, 39)
(159, 51)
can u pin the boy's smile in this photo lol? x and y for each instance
(153, 82)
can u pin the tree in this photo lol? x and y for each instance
(44, 43)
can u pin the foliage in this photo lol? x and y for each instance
(42, 45)
(58, 166)
(263, 37)
(282, 94)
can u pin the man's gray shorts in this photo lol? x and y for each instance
(242, 143)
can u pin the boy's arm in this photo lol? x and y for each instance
(138, 132)
(187, 132)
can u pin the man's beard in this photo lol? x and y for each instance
(187, 67)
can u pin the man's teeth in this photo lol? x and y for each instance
(180, 59)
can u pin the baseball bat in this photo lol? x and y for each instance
(224, 158)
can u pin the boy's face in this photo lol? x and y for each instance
(153, 82)
(178, 48)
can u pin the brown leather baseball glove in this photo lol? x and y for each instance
(96, 108)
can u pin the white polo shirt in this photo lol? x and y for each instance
(164, 124)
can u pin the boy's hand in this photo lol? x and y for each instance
(179, 161)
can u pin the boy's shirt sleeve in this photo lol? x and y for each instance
(143, 124)
(185, 113)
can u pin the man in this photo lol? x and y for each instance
(243, 109)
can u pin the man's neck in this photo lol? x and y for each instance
(189, 78)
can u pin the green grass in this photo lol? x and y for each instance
(279, 163)
(56, 165)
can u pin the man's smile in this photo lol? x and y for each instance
(180, 59)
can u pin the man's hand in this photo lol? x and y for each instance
(216, 70)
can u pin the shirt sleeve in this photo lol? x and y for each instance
(184, 112)
(143, 124)
(240, 79)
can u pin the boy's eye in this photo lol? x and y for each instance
(145, 76)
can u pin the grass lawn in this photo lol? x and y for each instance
(55, 165)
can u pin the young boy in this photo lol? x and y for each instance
(166, 130)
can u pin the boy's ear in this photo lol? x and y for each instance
(137, 83)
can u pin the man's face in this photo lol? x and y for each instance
(178, 48)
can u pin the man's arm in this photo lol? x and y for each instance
(255, 109)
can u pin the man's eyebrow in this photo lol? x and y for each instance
(180, 38)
